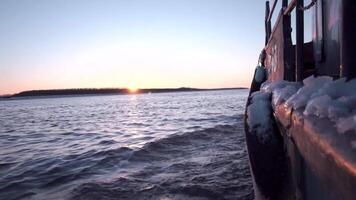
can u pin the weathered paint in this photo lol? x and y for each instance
(317, 166)
(332, 52)
(328, 166)
(278, 51)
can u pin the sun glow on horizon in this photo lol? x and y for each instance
(132, 88)
(108, 44)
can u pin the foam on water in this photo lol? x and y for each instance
(167, 146)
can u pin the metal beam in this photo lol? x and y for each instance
(289, 68)
(290, 7)
(272, 10)
(348, 40)
(299, 41)
(267, 23)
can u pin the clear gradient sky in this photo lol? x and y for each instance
(52, 44)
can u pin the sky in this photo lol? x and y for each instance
(55, 44)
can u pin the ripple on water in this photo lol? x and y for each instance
(164, 146)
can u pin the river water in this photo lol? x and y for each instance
(186, 145)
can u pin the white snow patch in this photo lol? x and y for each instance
(337, 88)
(259, 115)
(271, 86)
(311, 85)
(335, 100)
(281, 90)
(260, 74)
(349, 101)
(321, 97)
(260, 96)
(353, 144)
(318, 106)
(346, 124)
(325, 107)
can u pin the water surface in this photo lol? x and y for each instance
(186, 145)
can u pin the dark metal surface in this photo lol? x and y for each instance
(279, 52)
(274, 4)
(299, 41)
(331, 38)
(334, 31)
(348, 27)
(267, 23)
(267, 161)
(289, 67)
(320, 163)
(329, 164)
(275, 52)
(318, 32)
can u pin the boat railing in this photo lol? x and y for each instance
(287, 8)
(290, 7)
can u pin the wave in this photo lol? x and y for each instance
(205, 164)
(209, 163)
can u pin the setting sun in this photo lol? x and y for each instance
(132, 89)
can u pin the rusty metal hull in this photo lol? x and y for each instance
(323, 168)
(307, 160)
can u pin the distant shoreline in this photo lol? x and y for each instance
(102, 91)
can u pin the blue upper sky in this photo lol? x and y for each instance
(49, 44)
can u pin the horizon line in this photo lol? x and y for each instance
(121, 88)
(125, 90)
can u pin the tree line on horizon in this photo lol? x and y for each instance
(94, 91)
(88, 91)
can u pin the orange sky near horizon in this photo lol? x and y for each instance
(63, 44)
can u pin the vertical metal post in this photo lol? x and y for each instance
(284, 4)
(267, 23)
(289, 68)
(300, 40)
(348, 40)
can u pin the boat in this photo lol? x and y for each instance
(300, 118)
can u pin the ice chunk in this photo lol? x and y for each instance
(318, 106)
(336, 89)
(260, 115)
(318, 96)
(346, 124)
(281, 90)
(260, 96)
(281, 95)
(260, 74)
(349, 101)
(311, 85)
(353, 144)
(324, 106)
(337, 110)
(312, 80)
(271, 86)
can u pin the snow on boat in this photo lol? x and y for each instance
(300, 119)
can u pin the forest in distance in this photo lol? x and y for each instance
(104, 91)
